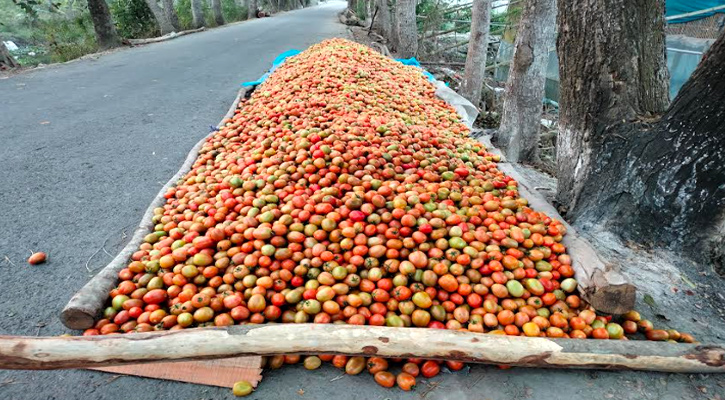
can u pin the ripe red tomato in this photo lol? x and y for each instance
(430, 369)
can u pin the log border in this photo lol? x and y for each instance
(84, 306)
(42, 353)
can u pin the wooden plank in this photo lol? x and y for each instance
(39, 353)
(601, 284)
(86, 304)
(223, 372)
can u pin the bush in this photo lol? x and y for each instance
(232, 11)
(67, 39)
(183, 11)
(361, 10)
(208, 13)
(133, 19)
(186, 19)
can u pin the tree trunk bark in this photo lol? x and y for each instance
(475, 69)
(612, 69)
(653, 181)
(383, 20)
(216, 6)
(252, 9)
(407, 29)
(352, 5)
(521, 117)
(197, 14)
(162, 21)
(7, 61)
(36, 353)
(106, 35)
(170, 13)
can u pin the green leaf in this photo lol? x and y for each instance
(650, 301)
(687, 281)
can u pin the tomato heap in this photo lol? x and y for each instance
(345, 191)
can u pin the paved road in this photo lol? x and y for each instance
(85, 146)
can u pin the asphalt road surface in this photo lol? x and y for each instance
(85, 146)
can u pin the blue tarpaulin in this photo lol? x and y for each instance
(679, 7)
(276, 63)
(414, 62)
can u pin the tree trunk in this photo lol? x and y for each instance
(162, 21)
(352, 5)
(653, 181)
(475, 69)
(383, 20)
(197, 14)
(106, 35)
(521, 117)
(170, 13)
(612, 69)
(252, 9)
(407, 30)
(7, 61)
(216, 6)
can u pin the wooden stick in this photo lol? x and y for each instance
(600, 284)
(243, 340)
(372, 20)
(450, 48)
(441, 33)
(84, 306)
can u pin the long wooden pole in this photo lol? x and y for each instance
(242, 340)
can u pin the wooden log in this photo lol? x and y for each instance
(84, 306)
(242, 340)
(601, 284)
(164, 38)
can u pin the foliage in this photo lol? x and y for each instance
(29, 6)
(435, 17)
(361, 10)
(47, 32)
(32, 55)
(500, 21)
(67, 38)
(183, 11)
(133, 18)
(232, 11)
(208, 13)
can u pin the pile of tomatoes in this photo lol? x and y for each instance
(345, 191)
